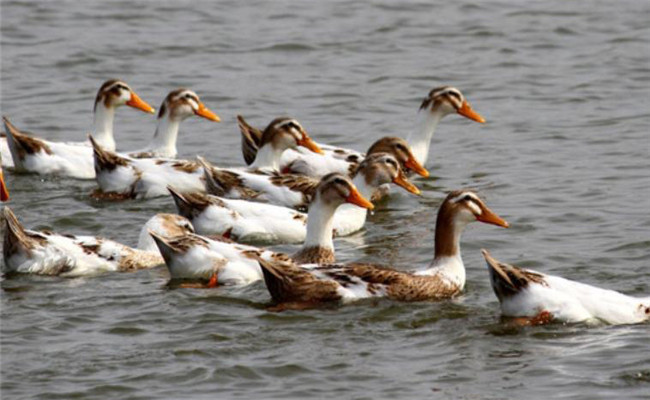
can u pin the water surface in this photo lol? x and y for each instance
(564, 158)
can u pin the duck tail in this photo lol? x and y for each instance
(276, 282)
(167, 249)
(21, 143)
(214, 181)
(189, 205)
(508, 280)
(251, 139)
(106, 160)
(16, 239)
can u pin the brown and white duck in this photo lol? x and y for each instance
(247, 221)
(146, 178)
(194, 257)
(48, 253)
(534, 298)
(72, 159)
(294, 285)
(398, 147)
(294, 190)
(440, 102)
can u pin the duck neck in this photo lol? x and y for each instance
(268, 156)
(164, 140)
(320, 221)
(420, 139)
(103, 122)
(447, 259)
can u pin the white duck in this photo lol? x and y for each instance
(126, 177)
(534, 298)
(73, 159)
(248, 222)
(299, 286)
(222, 262)
(48, 253)
(440, 102)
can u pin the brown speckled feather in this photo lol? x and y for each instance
(251, 139)
(16, 238)
(106, 160)
(314, 255)
(404, 286)
(297, 183)
(25, 144)
(220, 182)
(288, 283)
(190, 205)
(508, 280)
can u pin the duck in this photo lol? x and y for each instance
(219, 261)
(178, 105)
(317, 166)
(4, 192)
(54, 254)
(535, 298)
(292, 190)
(440, 102)
(72, 159)
(251, 222)
(128, 177)
(294, 285)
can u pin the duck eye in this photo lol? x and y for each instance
(468, 198)
(339, 181)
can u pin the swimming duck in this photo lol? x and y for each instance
(178, 105)
(440, 102)
(247, 221)
(318, 166)
(49, 253)
(73, 159)
(536, 298)
(298, 286)
(224, 262)
(145, 178)
(293, 190)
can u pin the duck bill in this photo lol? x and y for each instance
(205, 112)
(416, 167)
(310, 144)
(489, 217)
(4, 193)
(402, 180)
(358, 200)
(136, 102)
(466, 111)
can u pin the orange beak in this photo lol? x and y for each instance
(205, 112)
(310, 144)
(357, 199)
(4, 193)
(402, 180)
(137, 102)
(489, 217)
(466, 111)
(416, 167)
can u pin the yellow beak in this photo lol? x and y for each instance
(205, 112)
(466, 111)
(136, 102)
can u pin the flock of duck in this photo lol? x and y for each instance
(293, 190)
